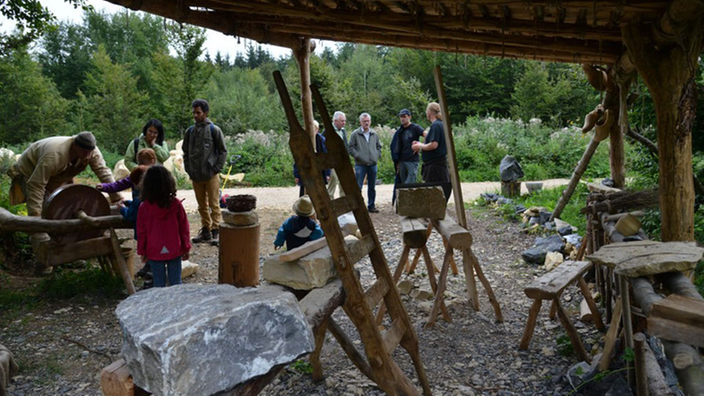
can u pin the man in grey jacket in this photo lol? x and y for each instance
(204, 155)
(365, 148)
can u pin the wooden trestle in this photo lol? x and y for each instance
(379, 365)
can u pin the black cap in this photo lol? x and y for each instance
(404, 112)
(85, 140)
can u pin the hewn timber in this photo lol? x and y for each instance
(14, 223)
(665, 55)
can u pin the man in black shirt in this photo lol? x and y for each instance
(434, 149)
(404, 157)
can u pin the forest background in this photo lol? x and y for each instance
(111, 73)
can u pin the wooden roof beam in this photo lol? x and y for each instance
(394, 21)
(448, 45)
(211, 20)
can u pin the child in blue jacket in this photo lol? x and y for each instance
(300, 228)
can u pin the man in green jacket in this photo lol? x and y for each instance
(365, 148)
(49, 163)
(204, 155)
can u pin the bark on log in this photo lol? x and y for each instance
(688, 366)
(14, 223)
(302, 54)
(668, 69)
(640, 362)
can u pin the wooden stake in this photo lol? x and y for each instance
(641, 371)
(610, 339)
(126, 277)
(530, 324)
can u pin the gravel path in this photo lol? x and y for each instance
(283, 197)
(61, 346)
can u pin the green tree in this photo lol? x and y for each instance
(32, 20)
(30, 105)
(65, 56)
(116, 106)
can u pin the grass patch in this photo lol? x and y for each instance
(65, 284)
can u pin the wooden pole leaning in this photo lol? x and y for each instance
(470, 262)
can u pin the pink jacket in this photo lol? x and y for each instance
(162, 234)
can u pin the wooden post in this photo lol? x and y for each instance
(641, 372)
(302, 54)
(665, 55)
(627, 324)
(576, 177)
(239, 255)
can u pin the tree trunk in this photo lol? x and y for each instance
(668, 70)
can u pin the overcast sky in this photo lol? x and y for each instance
(215, 41)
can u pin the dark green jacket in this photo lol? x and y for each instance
(204, 151)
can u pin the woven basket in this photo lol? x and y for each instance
(241, 203)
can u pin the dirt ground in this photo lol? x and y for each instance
(61, 346)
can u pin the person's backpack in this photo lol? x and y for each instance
(212, 134)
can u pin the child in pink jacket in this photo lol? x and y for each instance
(163, 234)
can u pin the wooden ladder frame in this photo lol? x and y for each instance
(379, 364)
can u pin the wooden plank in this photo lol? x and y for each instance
(680, 309)
(345, 204)
(376, 292)
(598, 187)
(676, 331)
(51, 253)
(415, 233)
(305, 249)
(393, 336)
(360, 249)
(642, 258)
(320, 303)
(610, 339)
(552, 283)
(458, 237)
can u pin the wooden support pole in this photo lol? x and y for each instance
(571, 332)
(576, 177)
(590, 302)
(610, 339)
(641, 371)
(302, 54)
(314, 358)
(442, 284)
(627, 323)
(530, 324)
(126, 277)
(665, 55)
(487, 286)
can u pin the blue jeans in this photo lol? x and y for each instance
(370, 171)
(408, 171)
(159, 268)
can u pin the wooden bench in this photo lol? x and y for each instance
(550, 287)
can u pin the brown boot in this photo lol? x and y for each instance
(204, 235)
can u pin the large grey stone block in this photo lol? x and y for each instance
(308, 272)
(421, 202)
(200, 340)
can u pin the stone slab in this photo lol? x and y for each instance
(201, 340)
(241, 219)
(308, 272)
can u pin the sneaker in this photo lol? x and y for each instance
(143, 272)
(373, 209)
(215, 241)
(204, 235)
